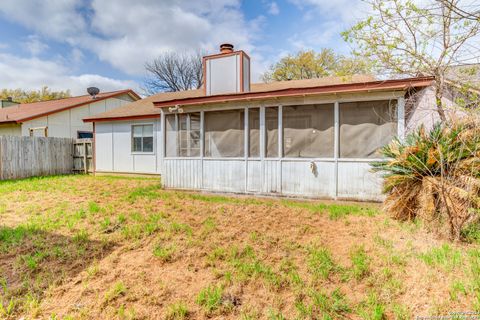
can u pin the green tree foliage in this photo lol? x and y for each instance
(27, 96)
(310, 64)
(418, 38)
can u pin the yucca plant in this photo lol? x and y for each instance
(435, 175)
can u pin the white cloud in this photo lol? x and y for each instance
(124, 37)
(155, 27)
(273, 8)
(34, 46)
(32, 73)
(57, 19)
(127, 36)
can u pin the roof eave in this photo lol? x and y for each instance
(123, 118)
(399, 84)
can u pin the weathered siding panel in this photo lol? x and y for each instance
(299, 180)
(271, 176)
(122, 159)
(182, 174)
(356, 181)
(145, 163)
(104, 147)
(224, 175)
(254, 172)
(23, 157)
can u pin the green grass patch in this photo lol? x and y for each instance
(177, 311)
(329, 306)
(248, 267)
(445, 257)
(371, 308)
(14, 236)
(117, 290)
(320, 262)
(360, 263)
(164, 253)
(210, 298)
(149, 192)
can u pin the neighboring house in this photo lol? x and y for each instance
(307, 138)
(61, 117)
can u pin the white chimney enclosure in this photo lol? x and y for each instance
(227, 72)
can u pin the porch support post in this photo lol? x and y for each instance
(202, 145)
(280, 147)
(401, 118)
(246, 145)
(336, 145)
(262, 146)
(162, 151)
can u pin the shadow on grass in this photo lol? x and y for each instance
(32, 260)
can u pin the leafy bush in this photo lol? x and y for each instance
(435, 175)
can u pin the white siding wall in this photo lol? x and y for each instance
(113, 148)
(11, 130)
(425, 112)
(223, 75)
(66, 124)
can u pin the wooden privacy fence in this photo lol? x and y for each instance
(23, 157)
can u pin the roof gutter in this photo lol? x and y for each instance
(398, 84)
(124, 118)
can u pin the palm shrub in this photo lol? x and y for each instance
(435, 175)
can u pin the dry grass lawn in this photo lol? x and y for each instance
(82, 247)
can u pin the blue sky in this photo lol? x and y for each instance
(73, 44)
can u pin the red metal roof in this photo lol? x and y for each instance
(28, 111)
(384, 85)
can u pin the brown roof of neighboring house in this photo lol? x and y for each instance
(149, 107)
(28, 111)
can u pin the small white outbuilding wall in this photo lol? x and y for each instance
(114, 150)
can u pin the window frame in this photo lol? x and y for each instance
(132, 137)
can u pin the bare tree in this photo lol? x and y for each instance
(173, 71)
(426, 39)
(471, 12)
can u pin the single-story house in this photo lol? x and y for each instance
(61, 117)
(308, 138)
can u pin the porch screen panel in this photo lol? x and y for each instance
(271, 124)
(365, 127)
(308, 131)
(183, 135)
(254, 134)
(224, 133)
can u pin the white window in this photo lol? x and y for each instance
(142, 138)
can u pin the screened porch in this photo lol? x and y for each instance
(318, 150)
